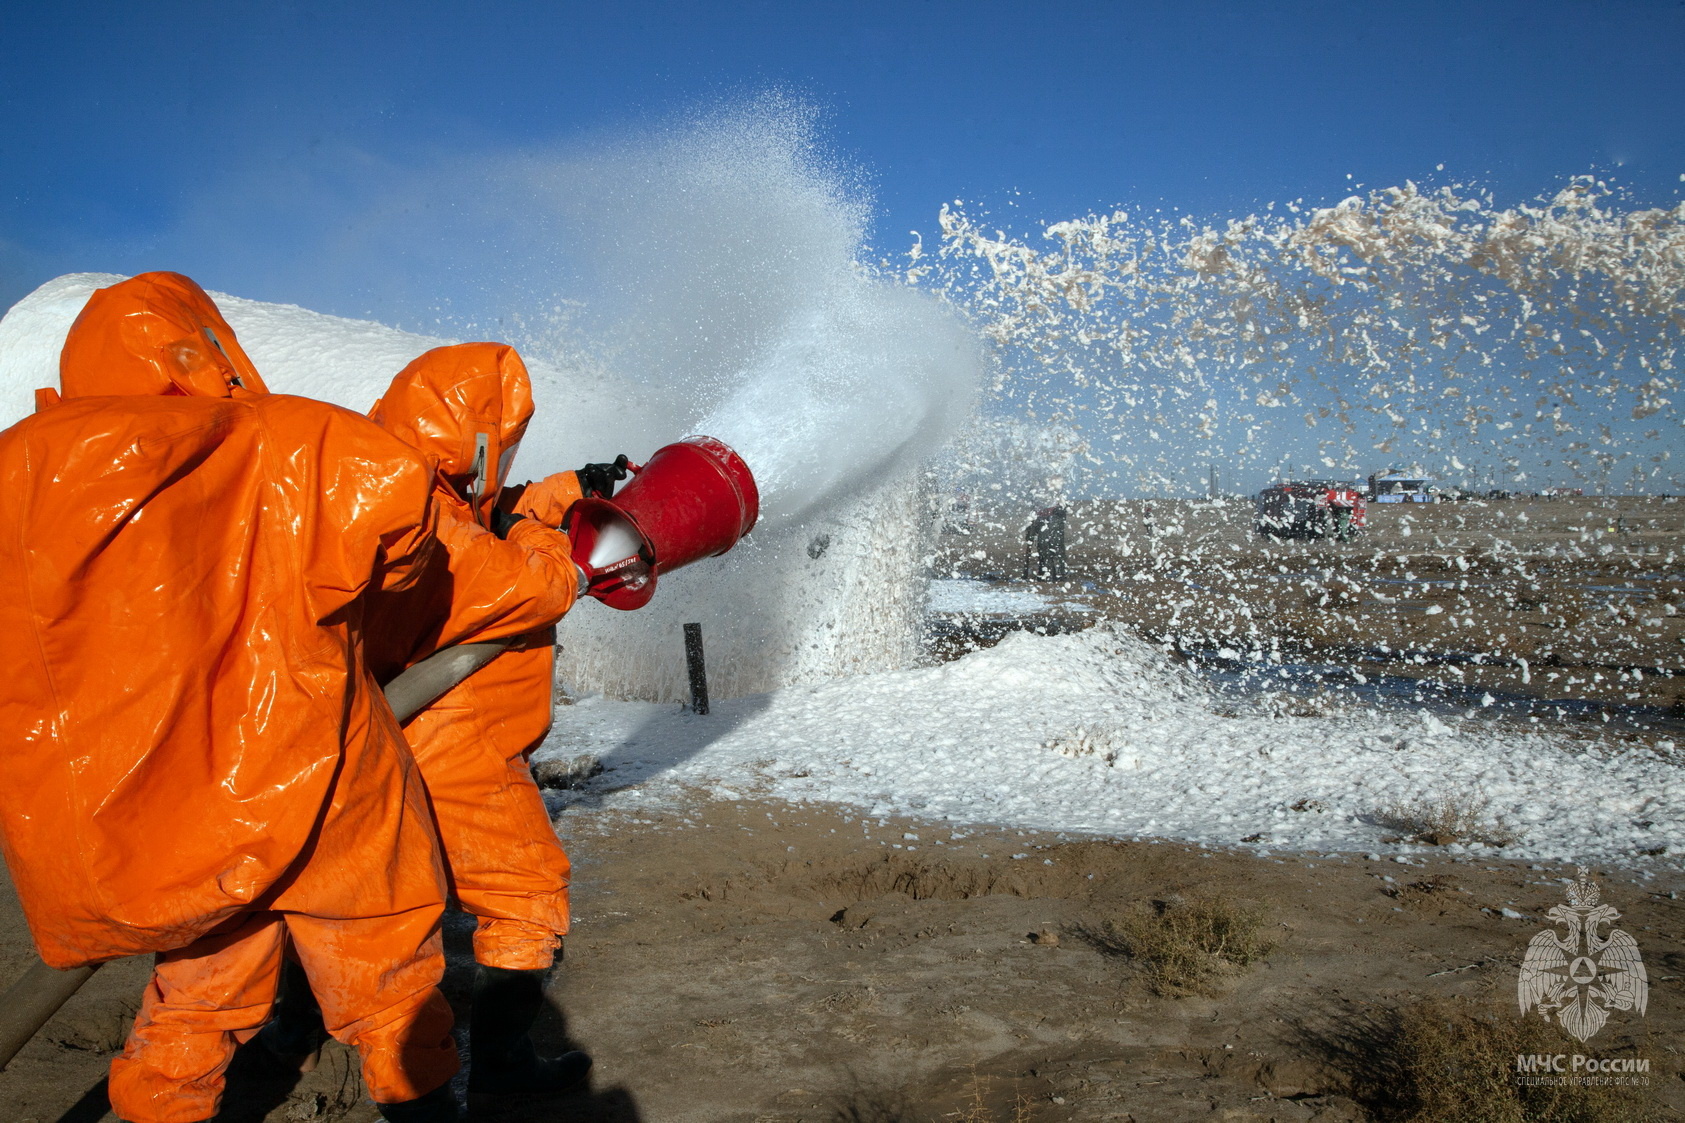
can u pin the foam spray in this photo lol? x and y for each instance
(734, 302)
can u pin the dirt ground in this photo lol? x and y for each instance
(1577, 600)
(761, 962)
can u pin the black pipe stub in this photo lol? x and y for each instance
(698, 669)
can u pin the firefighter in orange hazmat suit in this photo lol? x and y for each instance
(196, 760)
(503, 575)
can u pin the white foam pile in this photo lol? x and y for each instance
(1099, 732)
(735, 301)
(330, 358)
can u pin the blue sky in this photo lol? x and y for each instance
(145, 136)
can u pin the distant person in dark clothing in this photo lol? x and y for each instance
(1044, 546)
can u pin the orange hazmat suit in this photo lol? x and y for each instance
(196, 760)
(468, 406)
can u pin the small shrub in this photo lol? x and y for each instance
(1185, 946)
(1453, 1061)
(1440, 822)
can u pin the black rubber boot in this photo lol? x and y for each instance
(437, 1106)
(501, 1058)
(293, 1037)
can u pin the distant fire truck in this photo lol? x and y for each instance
(1312, 509)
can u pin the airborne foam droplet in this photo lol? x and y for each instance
(1494, 344)
(712, 278)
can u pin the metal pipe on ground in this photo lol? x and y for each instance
(32, 1001)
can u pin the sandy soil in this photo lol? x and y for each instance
(754, 961)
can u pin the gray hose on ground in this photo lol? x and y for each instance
(37, 996)
(30, 1001)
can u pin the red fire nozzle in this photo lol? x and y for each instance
(690, 500)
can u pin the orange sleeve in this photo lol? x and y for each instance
(370, 522)
(404, 549)
(505, 587)
(548, 499)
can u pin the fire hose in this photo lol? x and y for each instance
(31, 1001)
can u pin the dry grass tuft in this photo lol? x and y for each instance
(977, 1110)
(1454, 1061)
(1440, 822)
(1186, 946)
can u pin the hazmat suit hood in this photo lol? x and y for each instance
(154, 334)
(468, 406)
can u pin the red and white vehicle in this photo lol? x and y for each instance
(1312, 509)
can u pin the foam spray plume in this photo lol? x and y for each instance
(738, 307)
(703, 279)
(727, 295)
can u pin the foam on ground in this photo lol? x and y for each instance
(1019, 735)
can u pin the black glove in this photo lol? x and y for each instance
(599, 479)
(502, 522)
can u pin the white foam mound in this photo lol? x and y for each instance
(329, 358)
(1100, 732)
(32, 335)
